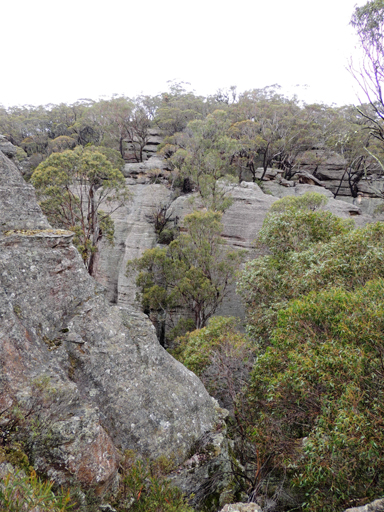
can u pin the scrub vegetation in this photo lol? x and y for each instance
(303, 379)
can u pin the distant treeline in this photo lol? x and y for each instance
(229, 133)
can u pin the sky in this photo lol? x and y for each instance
(54, 52)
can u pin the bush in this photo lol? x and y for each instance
(294, 223)
(348, 260)
(318, 396)
(20, 493)
(143, 487)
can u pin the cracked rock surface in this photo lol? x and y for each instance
(110, 385)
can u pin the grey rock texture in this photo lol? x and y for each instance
(208, 473)
(153, 169)
(241, 224)
(7, 148)
(134, 233)
(375, 506)
(19, 209)
(153, 139)
(241, 507)
(117, 387)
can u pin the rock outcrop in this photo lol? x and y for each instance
(241, 224)
(241, 507)
(108, 383)
(375, 506)
(146, 145)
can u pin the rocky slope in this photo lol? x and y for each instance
(100, 379)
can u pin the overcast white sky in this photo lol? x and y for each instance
(53, 51)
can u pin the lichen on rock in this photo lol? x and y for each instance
(119, 388)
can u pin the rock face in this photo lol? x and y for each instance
(241, 507)
(152, 140)
(241, 224)
(375, 506)
(109, 384)
(134, 233)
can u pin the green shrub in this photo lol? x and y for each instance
(295, 229)
(318, 396)
(19, 493)
(348, 260)
(144, 488)
(308, 201)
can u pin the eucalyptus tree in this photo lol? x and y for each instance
(79, 190)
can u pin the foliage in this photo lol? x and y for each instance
(61, 143)
(72, 186)
(143, 487)
(164, 223)
(315, 401)
(177, 107)
(196, 349)
(19, 493)
(347, 260)
(368, 21)
(222, 357)
(293, 223)
(273, 130)
(317, 394)
(202, 156)
(194, 271)
(308, 201)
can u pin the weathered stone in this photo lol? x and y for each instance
(270, 174)
(7, 148)
(154, 138)
(19, 209)
(134, 233)
(241, 507)
(144, 171)
(308, 179)
(375, 506)
(208, 473)
(119, 388)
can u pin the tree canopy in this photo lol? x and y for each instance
(194, 271)
(73, 187)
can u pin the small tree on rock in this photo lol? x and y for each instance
(195, 272)
(72, 187)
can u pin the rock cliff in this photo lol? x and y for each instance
(134, 232)
(105, 383)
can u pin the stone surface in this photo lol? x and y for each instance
(117, 388)
(133, 234)
(7, 148)
(153, 140)
(19, 209)
(241, 507)
(241, 224)
(375, 506)
(208, 473)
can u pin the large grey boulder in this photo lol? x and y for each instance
(17, 200)
(7, 148)
(118, 388)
